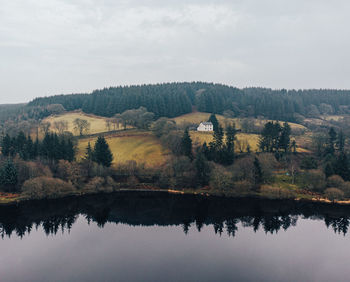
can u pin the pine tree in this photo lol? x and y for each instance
(328, 170)
(284, 140)
(186, 145)
(341, 141)
(8, 176)
(229, 150)
(214, 121)
(69, 151)
(102, 152)
(89, 154)
(6, 145)
(341, 166)
(331, 141)
(258, 176)
(202, 169)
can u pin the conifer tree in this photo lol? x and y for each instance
(102, 152)
(214, 121)
(6, 145)
(284, 140)
(328, 170)
(8, 176)
(258, 176)
(202, 169)
(89, 154)
(331, 141)
(186, 145)
(341, 141)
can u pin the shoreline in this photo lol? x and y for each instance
(15, 199)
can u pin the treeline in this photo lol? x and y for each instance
(52, 147)
(174, 99)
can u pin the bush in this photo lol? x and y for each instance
(308, 163)
(29, 170)
(70, 172)
(334, 194)
(314, 180)
(46, 187)
(345, 187)
(95, 185)
(273, 192)
(243, 169)
(221, 179)
(243, 186)
(335, 181)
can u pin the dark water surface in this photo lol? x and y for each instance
(162, 237)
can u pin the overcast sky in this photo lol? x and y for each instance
(69, 46)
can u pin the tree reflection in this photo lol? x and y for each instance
(147, 209)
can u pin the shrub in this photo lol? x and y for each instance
(243, 186)
(273, 192)
(221, 179)
(314, 180)
(70, 172)
(243, 169)
(95, 185)
(46, 187)
(335, 181)
(334, 194)
(345, 187)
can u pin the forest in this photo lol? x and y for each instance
(175, 99)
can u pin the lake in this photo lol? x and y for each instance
(165, 237)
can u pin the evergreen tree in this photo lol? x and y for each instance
(229, 150)
(328, 170)
(186, 145)
(89, 154)
(102, 152)
(8, 176)
(6, 145)
(341, 141)
(258, 176)
(69, 151)
(341, 166)
(270, 137)
(331, 141)
(284, 140)
(203, 169)
(214, 121)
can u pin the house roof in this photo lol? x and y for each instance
(206, 123)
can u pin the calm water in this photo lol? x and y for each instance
(161, 237)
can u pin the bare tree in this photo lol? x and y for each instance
(81, 125)
(61, 126)
(108, 123)
(45, 127)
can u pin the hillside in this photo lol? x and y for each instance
(175, 99)
(140, 146)
(97, 123)
(197, 117)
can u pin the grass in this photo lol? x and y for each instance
(139, 146)
(197, 117)
(242, 138)
(97, 124)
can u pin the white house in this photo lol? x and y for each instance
(205, 126)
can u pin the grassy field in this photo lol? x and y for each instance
(197, 117)
(97, 124)
(139, 146)
(242, 138)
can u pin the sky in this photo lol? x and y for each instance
(52, 47)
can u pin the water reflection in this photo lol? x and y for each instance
(147, 209)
